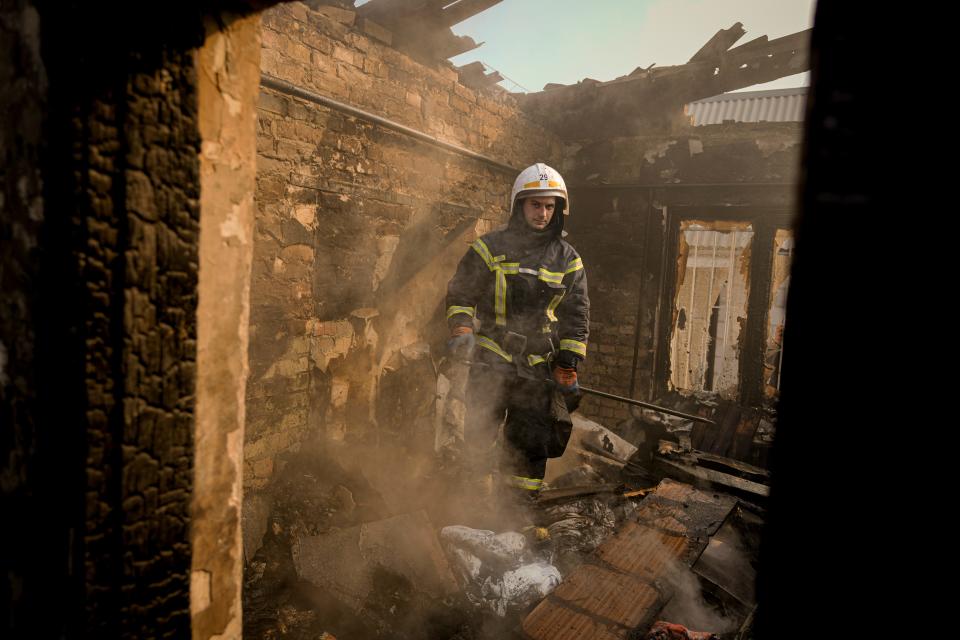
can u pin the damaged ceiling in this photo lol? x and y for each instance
(649, 98)
(422, 27)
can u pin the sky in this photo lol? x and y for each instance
(534, 42)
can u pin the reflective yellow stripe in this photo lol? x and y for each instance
(546, 329)
(534, 360)
(500, 298)
(531, 484)
(500, 290)
(487, 343)
(454, 310)
(532, 185)
(551, 316)
(553, 183)
(550, 276)
(576, 346)
(481, 248)
(576, 265)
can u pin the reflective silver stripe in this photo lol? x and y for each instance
(481, 248)
(575, 346)
(454, 310)
(487, 343)
(500, 297)
(552, 277)
(574, 265)
(500, 270)
(531, 484)
(500, 291)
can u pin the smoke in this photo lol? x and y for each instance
(688, 605)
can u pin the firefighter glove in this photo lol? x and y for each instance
(566, 379)
(461, 342)
(566, 359)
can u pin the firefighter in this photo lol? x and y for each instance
(517, 308)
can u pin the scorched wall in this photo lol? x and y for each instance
(359, 227)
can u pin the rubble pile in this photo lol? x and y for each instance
(499, 572)
(334, 560)
(579, 526)
(327, 554)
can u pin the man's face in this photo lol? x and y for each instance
(538, 211)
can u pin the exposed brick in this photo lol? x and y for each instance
(329, 188)
(413, 99)
(464, 92)
(271, 102)
(299, 11)
(345, 55)
(374, 30)
(343, 16)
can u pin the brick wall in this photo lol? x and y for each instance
(359, 227)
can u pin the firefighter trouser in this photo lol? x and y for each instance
(490, 396)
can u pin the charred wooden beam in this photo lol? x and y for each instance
(452, 45)
(719, 43)
(464, 9)
(422, 27)
(474, 75)
(471, 71)
(752, 44)
(492, 78)
(387, 12)
(653, 99)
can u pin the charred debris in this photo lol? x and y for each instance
(639, 534)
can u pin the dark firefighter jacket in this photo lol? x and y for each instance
(527, 282)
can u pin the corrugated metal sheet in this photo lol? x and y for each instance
(775, 105)
(622, 588)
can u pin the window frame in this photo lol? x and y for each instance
(765, 221)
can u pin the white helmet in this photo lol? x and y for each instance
(539, 179)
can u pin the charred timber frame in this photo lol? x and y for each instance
(628, 105)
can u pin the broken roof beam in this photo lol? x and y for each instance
(492, 78)
(649, 101)
(421, 28)
(794, 43)
(719, 43)
(781, 57)
(452, 45)
(390, 11)
(456, 13)
(438, 13)
(756, 43)
(472, 71)
(475, 75)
